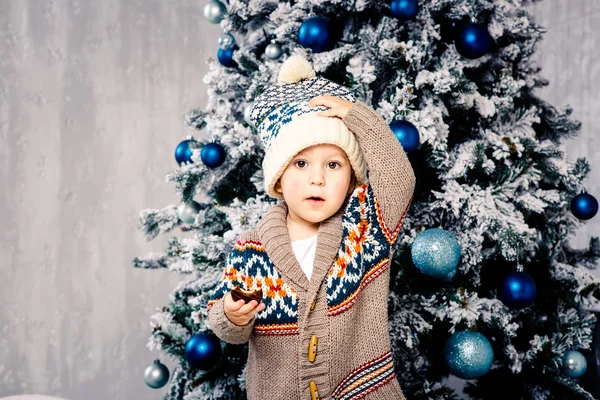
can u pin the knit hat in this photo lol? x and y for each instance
(287, 125)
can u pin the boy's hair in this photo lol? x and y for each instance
(287, 125)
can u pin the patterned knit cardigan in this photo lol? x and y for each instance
(341, 313)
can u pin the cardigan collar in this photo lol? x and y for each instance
(274, 236)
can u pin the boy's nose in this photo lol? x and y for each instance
(317, 178)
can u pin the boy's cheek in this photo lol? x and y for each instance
(294, 184)
(291, 186)
(342, 186)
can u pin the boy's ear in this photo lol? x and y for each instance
(352, 184)
(278, 187)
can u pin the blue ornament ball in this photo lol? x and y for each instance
(473, 40)
(225, 57)
(584, 206)
(404, 10)
(203, 351)
(315, 33)
(156, 375)
(468, 354)
(183, 152)
(213, 155)
(407, 134)
(518, 290)
(574, 364)
(436, 252)
(450, 27)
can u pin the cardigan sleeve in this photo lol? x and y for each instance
(390, 173)
(233, 275)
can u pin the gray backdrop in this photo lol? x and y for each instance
(92, 97)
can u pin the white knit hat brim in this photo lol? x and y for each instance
(304, 131)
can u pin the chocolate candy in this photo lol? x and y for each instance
(238, 293)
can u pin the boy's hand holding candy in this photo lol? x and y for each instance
(241, 312)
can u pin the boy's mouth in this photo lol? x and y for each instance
(315, 200)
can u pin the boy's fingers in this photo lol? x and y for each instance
(233, 305)
(325, 100)
(314, 100)
(244, 309)
(256, 310)
(249, 308)
(327, 113)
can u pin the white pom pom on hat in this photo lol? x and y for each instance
(295, 69)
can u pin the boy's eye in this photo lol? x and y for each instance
(331, 164)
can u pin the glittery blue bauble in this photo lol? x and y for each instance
(473, 40)
(468, 354)
(436, 252)
(203, 351)
(315, 33)
(584, 206)
(226, 57)
(156, 375)
(213, 155)
(404, 9)
(518, 290)
(574, 364)
(183, 153)
(406, 133)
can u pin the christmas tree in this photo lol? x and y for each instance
(484, 285)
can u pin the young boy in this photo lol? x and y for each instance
(321, 257)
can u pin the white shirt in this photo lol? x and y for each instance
(304, 250)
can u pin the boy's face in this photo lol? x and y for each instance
(321, 171)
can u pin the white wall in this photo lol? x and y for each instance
(92, 103)
(570, 59)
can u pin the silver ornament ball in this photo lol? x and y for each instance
(247, 111)
(156, 375)
(574, 364)
(215, 11)
(187, 211)
(226, 41)
(273, 51)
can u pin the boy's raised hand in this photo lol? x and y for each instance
(239, 312)
(337, 107)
